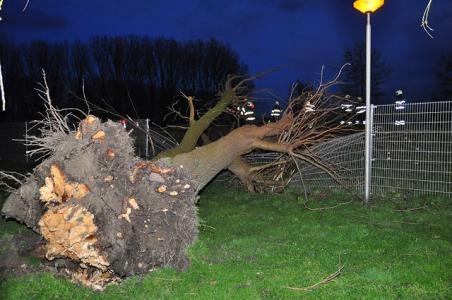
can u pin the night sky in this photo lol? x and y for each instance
(299, 36)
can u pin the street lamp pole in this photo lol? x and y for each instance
(368, 147)
(367, 7)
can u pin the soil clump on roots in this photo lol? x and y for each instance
(100, 207)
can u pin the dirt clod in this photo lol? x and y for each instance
(162, 188)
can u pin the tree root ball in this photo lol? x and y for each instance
(98, 205)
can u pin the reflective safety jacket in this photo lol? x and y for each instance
(276, 111)
(247, 112)
(400, 100)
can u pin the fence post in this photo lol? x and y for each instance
(26, 142)
(147, 139)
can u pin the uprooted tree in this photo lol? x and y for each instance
(114, 215)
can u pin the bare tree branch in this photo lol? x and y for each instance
(9, 181)
(424, 23)
(26, 5)
(314, 118)
(191, 106)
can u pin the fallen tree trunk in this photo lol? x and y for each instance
(207, 161)
(97, 204)
(314, 117)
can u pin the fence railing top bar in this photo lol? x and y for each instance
(448, 102)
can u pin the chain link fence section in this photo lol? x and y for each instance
(412, 149)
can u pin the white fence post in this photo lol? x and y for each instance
(147, 139)
(26, 142)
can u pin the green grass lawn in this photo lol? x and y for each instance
(253, 246)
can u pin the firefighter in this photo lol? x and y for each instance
(247, 112)
(360, 114)
(276, 111)
(399, 105)
(400, 100)
(347, 114)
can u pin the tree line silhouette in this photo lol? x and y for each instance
(132, 75)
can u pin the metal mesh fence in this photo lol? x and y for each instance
(412, 153)
(412, 148)
(345, 155)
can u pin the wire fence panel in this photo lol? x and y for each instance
(412, 153)
(412, 149)
(345, 155)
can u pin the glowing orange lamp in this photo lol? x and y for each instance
(368, 6)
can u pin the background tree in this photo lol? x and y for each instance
(445, 75)
(117, 71)
(299, 87)
(354, 76)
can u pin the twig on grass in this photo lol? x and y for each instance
(327, 207)
(326, 280)
(167, 279)
(404, 222)
(207, 226)
(411, 209)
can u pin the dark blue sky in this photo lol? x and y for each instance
(298, 35)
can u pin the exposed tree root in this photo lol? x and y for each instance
(99, 206)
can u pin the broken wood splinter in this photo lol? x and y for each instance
(98, 136)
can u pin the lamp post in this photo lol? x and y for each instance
(367, 7)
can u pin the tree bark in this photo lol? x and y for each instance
(207, 161)
(198, 127)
